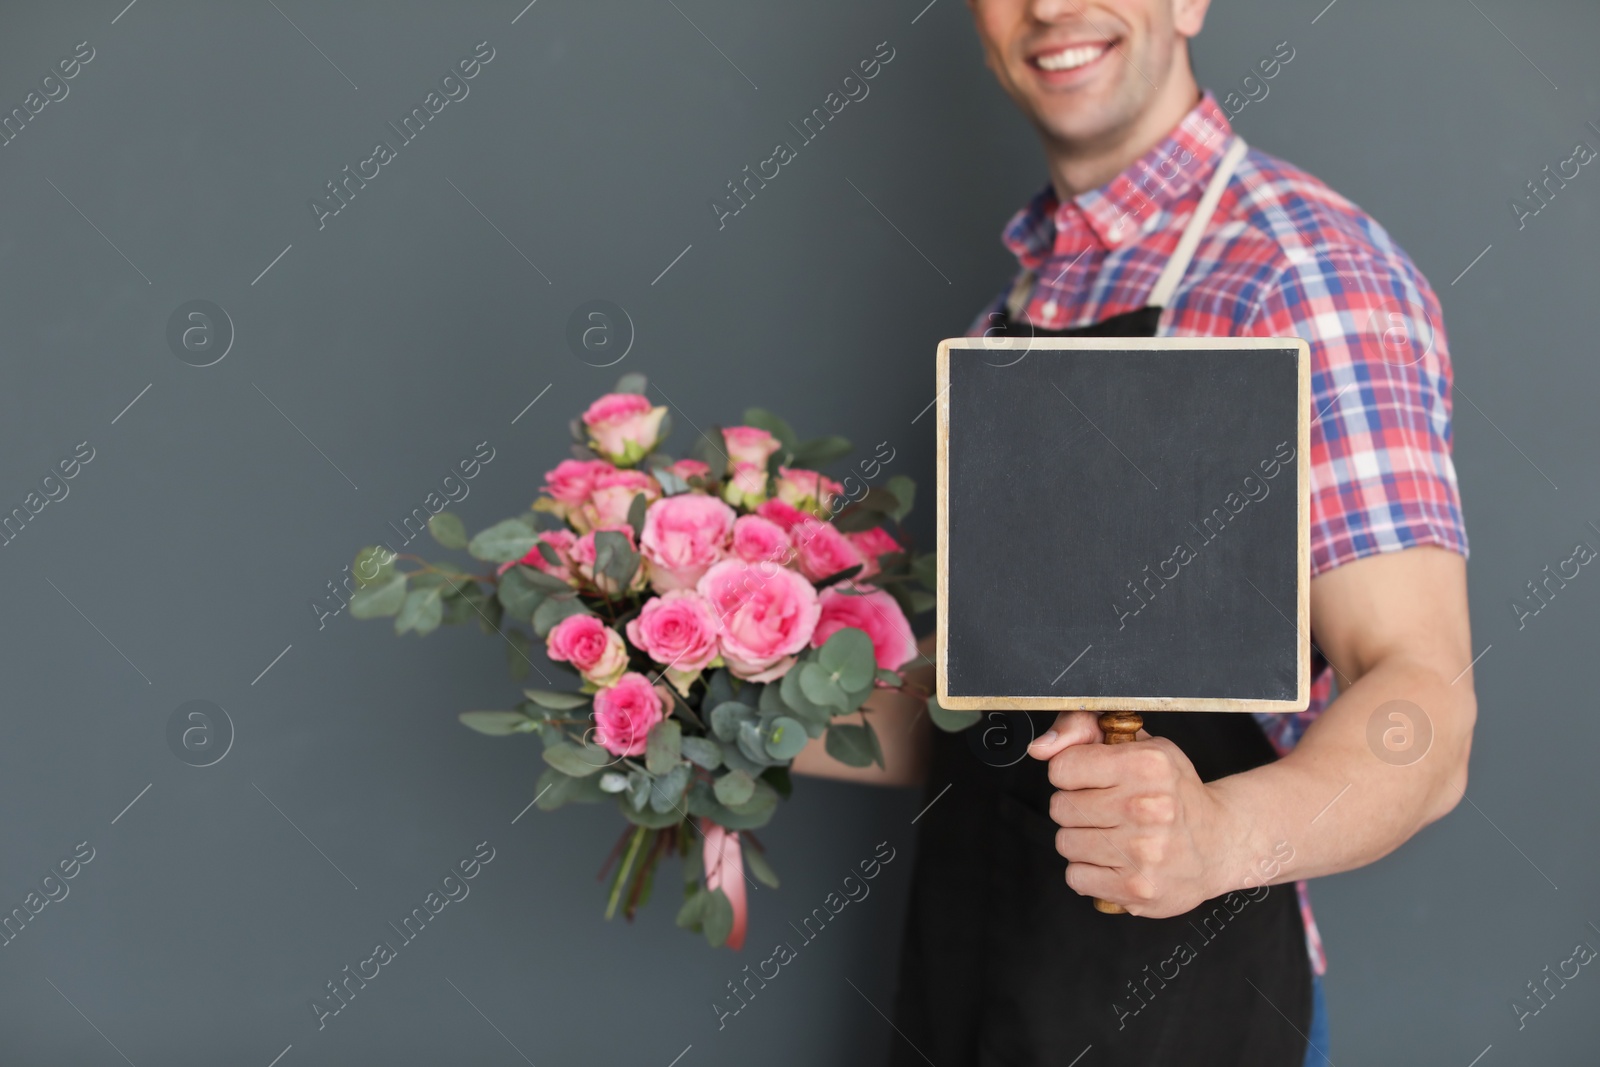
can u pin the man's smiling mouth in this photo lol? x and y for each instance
(1071, 57)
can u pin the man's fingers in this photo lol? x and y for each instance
(1106, 883)
(1070, 728)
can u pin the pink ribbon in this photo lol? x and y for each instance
(724, 863)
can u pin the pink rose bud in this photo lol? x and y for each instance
(683, 536)
(623, 427)
(873, 610)
(568, 487)
(747, 485)
(808, 490)
(759, 540)
(589, 645)
(746, 444)
(624, 714)
(765, 614)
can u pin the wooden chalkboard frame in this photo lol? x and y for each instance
(1176, 346)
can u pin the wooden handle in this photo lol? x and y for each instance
(1118, 727)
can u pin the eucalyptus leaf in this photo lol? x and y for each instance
(638, 793)
(689, 916)
(548, 584)
(578, 760)
(795, 699)
(671, 484)
(517, 660)
(663, 747)
(612, 782)
(719, 687)
(648, 817)
(819, 452)
(786, 738)
(555, 789)
(735, 759)
(849, 659)
(553, 610)
(752, 745)
(735, 787)
(854, 746)
(447, 530)
(497, 723)
(549, 554)
(636, 512)
(557, 701)
(632, 382)
(756, 861)
(716, 917)
(727, 717)
(379, 598)
(817, 683)
(373, 565)
(505, 542)
(780, 780)
(762, 802)
(422, 612)
(948, 720)
(702, 752)
(904, 491)
(666, 792)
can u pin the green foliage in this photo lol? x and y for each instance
(447, 530)
(663, 748)
(948, 720)
(557, 701)
(505, 542)
(518, 662)
(702, 752)
(904, 491)
(854, 746)
(577, 760)
(756, 861)
(553, 610)
(716, 917)
(379, 598)
(785, 738)
(498, 723)
(555, 789)
(666, 792)
(818, 453)
(613, 557)
(422, 612)
(762, 419)
(631, 383)
(373, 565)
(518, 593)
(734, 788)
(636, 512)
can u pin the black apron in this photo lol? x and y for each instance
(1004, 966)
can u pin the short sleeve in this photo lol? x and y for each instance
(1381, 474)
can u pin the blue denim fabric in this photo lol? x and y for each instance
(1317, 1051)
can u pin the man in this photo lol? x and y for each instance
(1189, 828)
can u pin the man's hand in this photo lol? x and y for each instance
(1138, 827)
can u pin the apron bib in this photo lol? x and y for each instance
(1004, 966)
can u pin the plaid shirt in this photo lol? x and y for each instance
(1284, 256)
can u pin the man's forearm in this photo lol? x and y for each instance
(1333, 803)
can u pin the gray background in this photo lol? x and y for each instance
(409, 329)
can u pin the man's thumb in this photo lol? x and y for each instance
(1070, 728)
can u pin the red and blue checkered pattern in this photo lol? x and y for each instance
(1284, 256)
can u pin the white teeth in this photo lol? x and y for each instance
(1071, 58)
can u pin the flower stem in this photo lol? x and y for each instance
(622, 872)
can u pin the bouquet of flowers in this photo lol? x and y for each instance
(719, 612)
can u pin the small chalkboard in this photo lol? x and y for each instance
(1124, 524)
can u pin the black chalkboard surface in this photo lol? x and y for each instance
(1124, 524)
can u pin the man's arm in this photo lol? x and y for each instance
(901, 722)
(1138, 826)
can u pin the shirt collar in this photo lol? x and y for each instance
(1129, 205)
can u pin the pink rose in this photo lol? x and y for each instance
(746, 444)
(785, 515)
(569, 485)
(583, 557)
(679, 631)
(589, 645)
(758, 540)
(683, 536)
(822, 550)
(624, 714)
(872, 544)
(623, 427)
(765, 614)
(872, 610)
(747, 485)
(689, 468)
(612, 495)
(807, 490)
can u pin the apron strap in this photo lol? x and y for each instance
(1178, 264)
(1173, 273)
